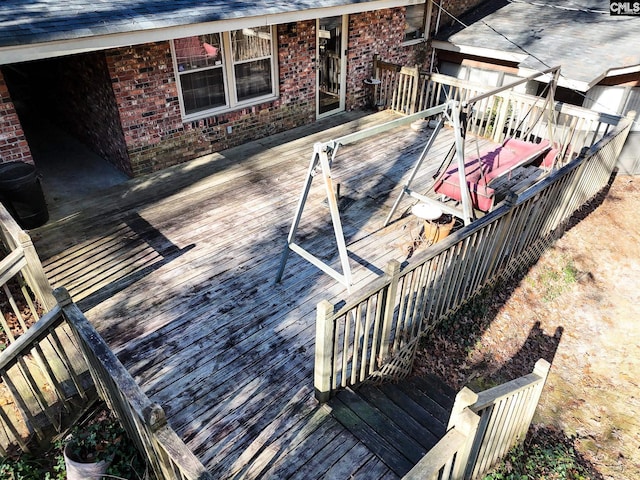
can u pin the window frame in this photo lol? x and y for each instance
(426, 13)
(229, 78)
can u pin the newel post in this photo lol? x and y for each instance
(465, 398)
(415, 73)
(541, 370)
(324, 351)
(500, 119)
(466, 422)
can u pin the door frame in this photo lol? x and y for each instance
(343, 67)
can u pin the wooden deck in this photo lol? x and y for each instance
(176, 271)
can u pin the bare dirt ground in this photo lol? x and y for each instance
(578, 307)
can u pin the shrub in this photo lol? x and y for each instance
(546, 454)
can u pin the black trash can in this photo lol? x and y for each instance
(21, 194)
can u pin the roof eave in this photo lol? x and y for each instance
(562, 80)
(479, 51)
(56, 48)
(616, 71)
(512, 57)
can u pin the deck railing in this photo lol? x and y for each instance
(45, 383)
(63, 341)
(483, 428)
(144, 421)
(43, 378)
(50, 372)
(22, 262)
(507, 114)
(377, 330)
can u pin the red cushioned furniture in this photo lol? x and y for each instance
(491, 164)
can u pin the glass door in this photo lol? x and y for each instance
(331, 46)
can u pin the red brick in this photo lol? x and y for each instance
(13, 144)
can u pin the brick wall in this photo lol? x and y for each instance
(382, 32)
(85, 105)
(137, 123)
(456, 8)
(146, 93)
(13, 144)
(379, 32)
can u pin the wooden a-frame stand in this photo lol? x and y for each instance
(452, 113)
(320, 162)
(324, 154)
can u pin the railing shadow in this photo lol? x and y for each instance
(163, 250)
(459, 334)
(537, 345)
(550, 439)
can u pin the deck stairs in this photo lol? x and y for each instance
(398, 422)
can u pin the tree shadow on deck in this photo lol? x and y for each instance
(451, 350)
(363, 190)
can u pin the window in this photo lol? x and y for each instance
(415, 22)
(221, 71)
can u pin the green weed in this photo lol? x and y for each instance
(553, 282)
(548, 454)
(49, 465)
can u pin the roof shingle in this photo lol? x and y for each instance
(37, 21)
(579, 35)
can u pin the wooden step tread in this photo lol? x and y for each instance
(349, 410)
(424, 410)
(431, 384)
(398, 423)
(426, 403)
(384, 425)
(414, 421)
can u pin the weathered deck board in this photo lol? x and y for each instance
(397, 430)
(176, 271)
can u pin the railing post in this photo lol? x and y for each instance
(392, 272)
(37, 279)
(375, 87)
(154, 417)
(542, 368)
(322, 373)
(464, 420)
(467, 423)
(501, 118)
(415, 73)
(465, 398)
(62, 297)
